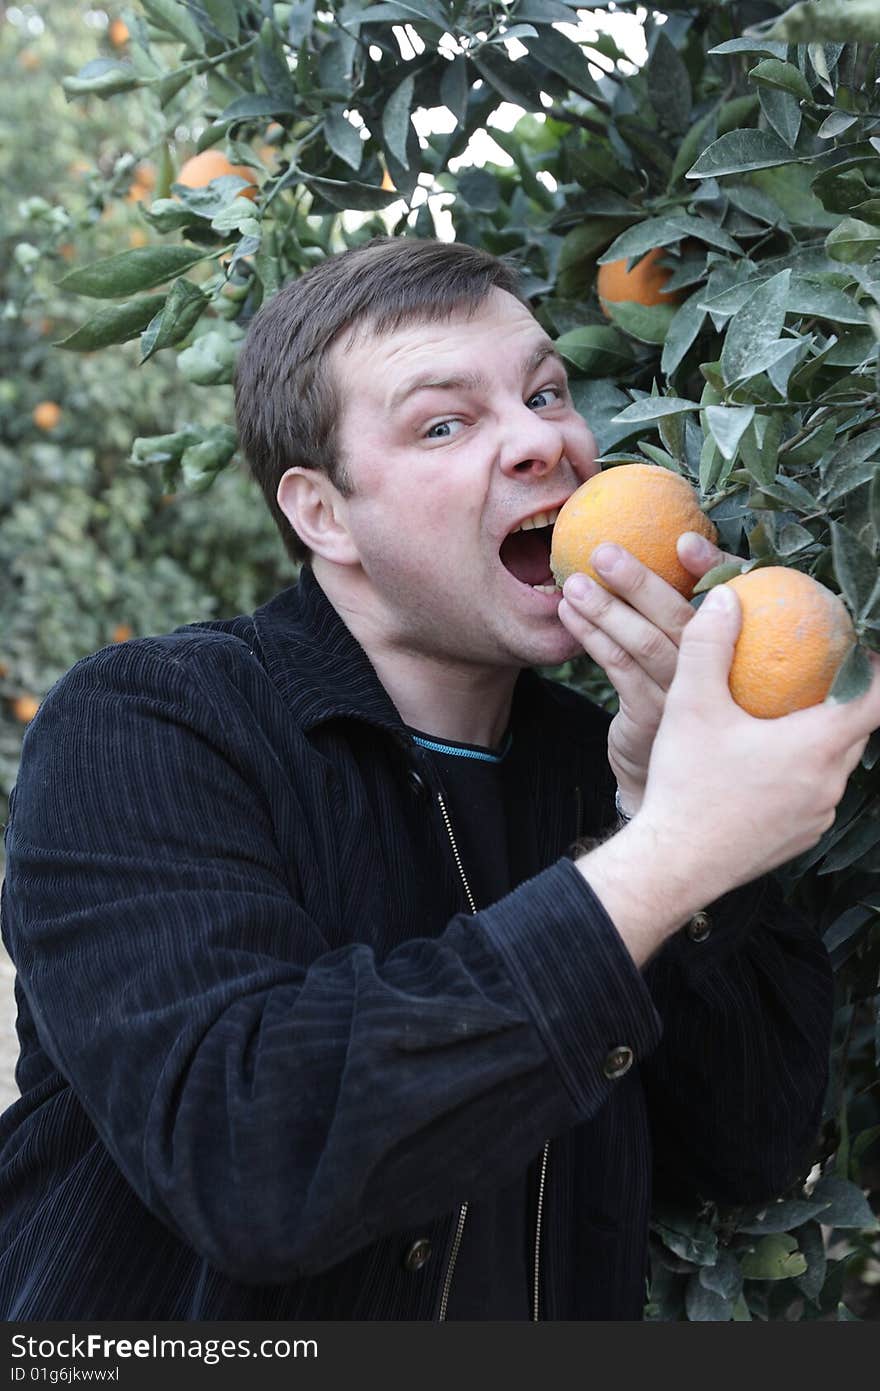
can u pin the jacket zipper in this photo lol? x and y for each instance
(462, 1215)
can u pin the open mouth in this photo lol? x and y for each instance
(526, 554)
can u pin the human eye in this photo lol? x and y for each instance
(554, 393)
(445, 426)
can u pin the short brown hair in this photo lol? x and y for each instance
(287, 402)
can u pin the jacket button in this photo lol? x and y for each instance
(618, 1061)
(418, 1254)
(699, 927)
(417, 783)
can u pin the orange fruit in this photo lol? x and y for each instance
(213, 164)
(137, 237)
(29, 60)
(24, 708)
(122, 632)
(46, 415)
(142, 184)
(66, 251)
(643, 284)
(642, 507)
(795, 634)
(117, 33)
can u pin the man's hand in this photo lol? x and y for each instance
(634, 635)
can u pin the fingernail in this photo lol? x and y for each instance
(719, 600)
(697, 544)
(606, 557)
(577, 587)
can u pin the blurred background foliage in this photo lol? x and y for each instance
(699, 230)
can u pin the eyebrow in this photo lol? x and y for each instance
(469, 381)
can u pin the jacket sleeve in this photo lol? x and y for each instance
(277, 1103)
(736, 1087)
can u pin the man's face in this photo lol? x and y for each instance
(443, 473)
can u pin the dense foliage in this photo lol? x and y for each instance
(746, 147)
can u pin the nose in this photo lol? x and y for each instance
(531, 444)
(534, 444)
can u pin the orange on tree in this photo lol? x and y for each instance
(642, 507)
(122, 632)
(643, 284)
(213, 164)
(46, 415)
(137, 237)
(117, 33)
(142, 184)
(795, 635)
(29, 60)
(24, 707)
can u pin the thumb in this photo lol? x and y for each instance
(707, 643)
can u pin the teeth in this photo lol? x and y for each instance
(540, 519)
(547, 588)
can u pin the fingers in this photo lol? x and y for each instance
(643, 618)
(698, 555)
(631, 680)
(706, 650)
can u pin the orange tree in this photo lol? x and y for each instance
(742, 157)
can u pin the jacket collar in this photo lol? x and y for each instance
(323, 673)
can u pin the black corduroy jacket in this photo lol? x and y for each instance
(267, 1050)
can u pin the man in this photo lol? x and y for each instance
(343, 991)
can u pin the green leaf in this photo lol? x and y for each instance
(759, 447)
(740, 151)
(775, 1258)
(783, 113)
(223, 15)
(401, 11)
(454, 88)
(115, 324)
(348, 193)
(720, 574)
(755, 325)
(725, 1277)
(396, 120)
(564, 56)
(783, 76)
(254, 106)
(688, 1237)
(855, 567)
(853, 241)
(175, 19)
(512, 80)
(649, 323)
(849, 1209)
(130, 271)
(813, 1247)
(751, 45)
(727, 424)
(653, 408)
(210, 361)
(103, 77)
(634, 242)
(342, 138)
(669, 85)
(152, 450)
(479, 190)
(853, 679)
(595, 350)
(784, 1217)
(179, 314)
(684, 326)
(706, 1306)
(842, 21)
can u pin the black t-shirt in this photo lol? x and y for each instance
(491, 1275)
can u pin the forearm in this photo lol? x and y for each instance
(648, 892)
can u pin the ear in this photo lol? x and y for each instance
(316, 511)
